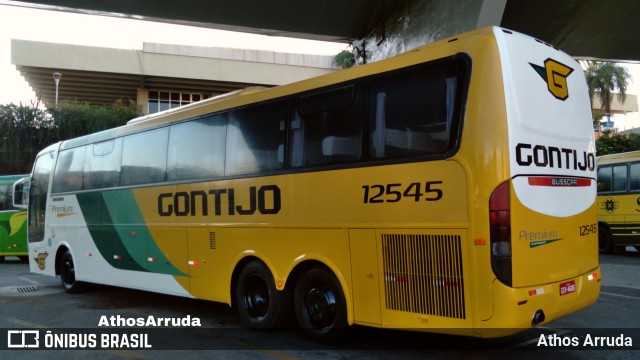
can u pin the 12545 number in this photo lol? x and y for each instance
(395, 192)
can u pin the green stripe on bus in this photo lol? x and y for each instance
(103, 232)
(134, 234)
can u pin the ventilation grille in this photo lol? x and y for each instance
(423, 274)
(212, 240)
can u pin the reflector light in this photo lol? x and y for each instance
(394, 278)
(592, 276)
(117, 257)
(535, 292)
(151, 259)
(480, 241)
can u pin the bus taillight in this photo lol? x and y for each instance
(500, 227)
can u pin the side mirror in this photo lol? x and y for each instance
(21, 193)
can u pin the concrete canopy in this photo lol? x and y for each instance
(587, 29)
(584, 28)
(104, 75)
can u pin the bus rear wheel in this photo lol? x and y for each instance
(260, 305)
(68, 275)
(605, 242)
(320, 306)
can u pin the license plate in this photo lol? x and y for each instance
(567, 287)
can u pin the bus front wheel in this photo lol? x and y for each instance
(605, 242)
(260, 305)
(68, 274)
(320, 306)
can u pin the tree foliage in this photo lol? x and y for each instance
(610, 143)
(23, 126)
(27, 129)
(73, 119)
(603, 79)
(345, 59)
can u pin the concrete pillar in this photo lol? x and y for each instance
(142, 100)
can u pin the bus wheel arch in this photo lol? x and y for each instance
(59, 253)
(605, 240)
(255, 297)
(320, 303)
(65, 267)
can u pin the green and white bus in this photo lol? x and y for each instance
(13, 219)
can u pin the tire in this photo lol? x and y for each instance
(68, 275)
(605, 242)
(24, 259)
(259, 304)
(320, 306)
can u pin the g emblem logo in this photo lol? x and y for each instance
(555, 75)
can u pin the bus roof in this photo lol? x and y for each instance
(618, 158)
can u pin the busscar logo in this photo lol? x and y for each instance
(555, 74)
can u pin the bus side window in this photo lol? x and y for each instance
(197, 148)
(102, 164)
(634, 177)
(413, 111)
(144, 157)
(69, 171)
(254, 135)
(5, 197)
(327, 127)
(620, 178)
(604, 179)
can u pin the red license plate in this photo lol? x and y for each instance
(567, 287)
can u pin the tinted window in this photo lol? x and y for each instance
(6, 198)
(197, 148)
(255, 139)
(604, 179)
(144, 157)
(620, 178)
(634, 177)
(416, 111)
(327, 127)
(69, 170)
(102, 164)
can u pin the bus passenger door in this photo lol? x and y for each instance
(365, 275)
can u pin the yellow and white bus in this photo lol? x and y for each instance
(449, 189)
(619, 200)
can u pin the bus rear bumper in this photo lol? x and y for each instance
(519, 309)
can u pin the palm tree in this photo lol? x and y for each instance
(603, 78)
